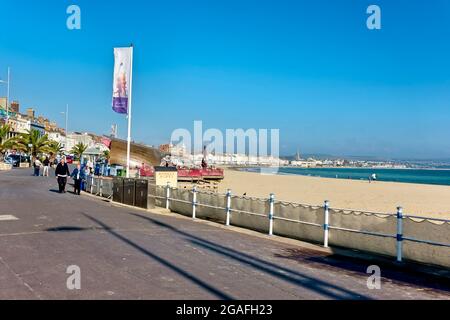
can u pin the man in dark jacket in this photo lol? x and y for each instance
(77, 176)
(46, 164)
(62, 172)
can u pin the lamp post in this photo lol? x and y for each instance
(66, 113)
(7, 82)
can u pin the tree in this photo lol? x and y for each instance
(54, 148)
(32, 142)
(5, 142)
(79, 149)
(106, 154)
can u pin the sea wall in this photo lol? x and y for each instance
(5, 166)
(305, 223)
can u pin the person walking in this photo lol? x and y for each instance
(46, 163)
(86, 173)
(37, 166)
(62, 172)
(90, 165)
(78, 176)
(97, 169)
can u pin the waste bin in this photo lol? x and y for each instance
(151, 194)
(141, 193)
(128, 191)
(118, 189)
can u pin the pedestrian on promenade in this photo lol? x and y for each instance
(97, 169)
(78, 176)
(87, 173)
(90, 165)
(37, 166)
(62, 172)
(46, 163)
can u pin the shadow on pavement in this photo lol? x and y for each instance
(67, 191)
(219, 294)
(294, 277)
(67, 229)
(357, 266)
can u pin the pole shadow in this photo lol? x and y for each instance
(219, 294)
(67, 229)
(294, 277)
(398, 274)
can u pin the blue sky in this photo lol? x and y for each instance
(309, 68)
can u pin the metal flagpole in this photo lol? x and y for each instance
(67, 121)
(129, 112)
(7, 94)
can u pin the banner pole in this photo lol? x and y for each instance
(129, 113)
(7, 96)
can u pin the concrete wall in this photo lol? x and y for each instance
(5, 166)
(420, 229)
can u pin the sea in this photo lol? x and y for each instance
(422, 176)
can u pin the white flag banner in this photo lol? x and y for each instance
(122, 74)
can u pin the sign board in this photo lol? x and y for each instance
(166, 175)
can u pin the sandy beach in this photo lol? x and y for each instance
(416, 199)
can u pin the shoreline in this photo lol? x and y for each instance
(343, 179)
(243, 169)
(428, 200)
(372, 168)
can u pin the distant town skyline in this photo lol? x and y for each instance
(312, 70)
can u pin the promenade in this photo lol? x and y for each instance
(126, 253)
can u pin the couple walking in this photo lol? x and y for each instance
(62, 172)
(37, 164)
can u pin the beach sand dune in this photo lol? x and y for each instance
(416, 199)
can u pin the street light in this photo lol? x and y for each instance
(7, 94)
(67, 121)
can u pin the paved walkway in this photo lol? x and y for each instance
(131, 254)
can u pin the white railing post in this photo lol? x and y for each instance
(194, 201)
(167, 196)
(92, 184)
(101, 187)
(399, 233)
(271, 202)
(326, 222)
(228, 208)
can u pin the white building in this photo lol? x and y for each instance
(18, 125)
(75, 138)
(58, 137)
(228, 160)
(87, 139)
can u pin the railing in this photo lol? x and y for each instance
(99, 186)
(324, 223)
(326, 226)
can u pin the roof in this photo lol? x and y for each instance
(93, 151)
